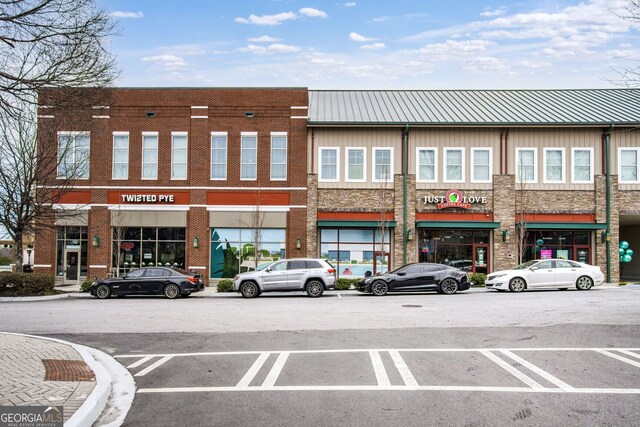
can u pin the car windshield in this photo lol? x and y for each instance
(526, 264)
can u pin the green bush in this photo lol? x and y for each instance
(225, 285)
(479, 279)
(622, 283)
(86, 285)
(5, 260)
(26, 284)
(343, 284)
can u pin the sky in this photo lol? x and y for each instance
(399, 44)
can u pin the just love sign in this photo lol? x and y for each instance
(454, 199)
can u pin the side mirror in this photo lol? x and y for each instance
(534, 268)
(268, 270)
(402, 273)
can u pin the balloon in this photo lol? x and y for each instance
(626, 258)
(540, 242)
(624, 244)
(621, 251)
(629, 252)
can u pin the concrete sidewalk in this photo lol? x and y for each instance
(88, 384)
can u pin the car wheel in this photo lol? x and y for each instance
(171, 291)
(517, 284)
(584, 283)
(249, 290)
(315, 289)
(449, 286)
(379, 288)
(103, 292)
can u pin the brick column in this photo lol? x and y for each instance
(600, 198)
(99, 262)
(312, 215)
(198, 226)
(504, 212)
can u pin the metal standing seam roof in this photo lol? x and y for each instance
(577, 107)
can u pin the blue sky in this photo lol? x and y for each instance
(373, 44)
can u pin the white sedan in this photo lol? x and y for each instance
(546, 273)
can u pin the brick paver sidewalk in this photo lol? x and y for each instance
(36, 371)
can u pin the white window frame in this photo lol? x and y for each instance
(373, 164)
(473, 165)
(186, 160)
(535, 165)
(545, 178)
(573, 165)
(322, 178)
(113, 154)
(248, 135)
(154, 134)
(73, 134)
(226, 155)
(462, 169)
(435, 164)
(364, 164)
(620, 150)
(286, 155)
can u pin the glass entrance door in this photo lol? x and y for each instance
(72, 267)
(481, 259)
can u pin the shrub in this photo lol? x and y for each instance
(5, 260)
(26, 284)
(225, 285)
(343, 284)
(622, 283)
(86, 285)
(478, 278)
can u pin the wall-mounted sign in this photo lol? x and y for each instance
(127, 246)
(453, 199)
(147, 198)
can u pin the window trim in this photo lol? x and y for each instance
(364, 164)
(473, 165)
(620, 150)
(373, 164)
(142, 177)
(545, 178)
(320, 177)
(113, 155)
(435, 164)
(242, 136)
(463, 166)
(226, 155)
(58, 159)
(573, 164)
(535, 165)
(186, 162)
(286, 156)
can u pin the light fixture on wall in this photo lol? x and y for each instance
(506, 236)
(95, 241)
(196, 242)
(298, 243)
(410, 235)
(604, 236)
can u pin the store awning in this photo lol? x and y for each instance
(564, 226)
(356, 224)
(458, 224)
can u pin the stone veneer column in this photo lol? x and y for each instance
(312, 215)
(600, 198)
(412, 251)
(99, 258)
(504, 212)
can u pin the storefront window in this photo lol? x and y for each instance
(232, 249)
(135, 247)
(465, 249)
(352, 250)
(69, 240)
(571, 245)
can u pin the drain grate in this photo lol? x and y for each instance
(67, 370)
(411, 305)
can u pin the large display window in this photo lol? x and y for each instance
(135, 247)
(465, 249)
(356, 251)
(546, 244)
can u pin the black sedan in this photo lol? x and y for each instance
(170, 282)
(417, 277)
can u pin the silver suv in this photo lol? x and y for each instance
(313, 276)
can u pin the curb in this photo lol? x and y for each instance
(106, 386)
(45, 297)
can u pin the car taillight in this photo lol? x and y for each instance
(331, 270)
(192, 279)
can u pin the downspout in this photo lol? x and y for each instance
(607, 172)
(405, 149)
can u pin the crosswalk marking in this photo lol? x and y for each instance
(140, 362)
(378, 368)
(629, 353)
(620, 358)
(253, 371)
(271, 379)
(150, 368)
(513, 371)
(402, 367)
(547, 376)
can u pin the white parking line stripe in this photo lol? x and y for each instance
(547, 376)
(271, 379)
(402, 367)
(629, 353)
(253, 371)
(150, 368)
(620, 358)
(513, 371)
(339, 296)
(140, 362)
(378, 367)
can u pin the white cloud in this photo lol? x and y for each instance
(350, 4)
(452, 49)
(496, 12)
(122, 14)
(276, 19)
(359, 38)
(272, 48)
(313, 13)
(170, 62)
(374, 46)
(263, 39)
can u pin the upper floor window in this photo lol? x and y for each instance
(73, 154)
(278, 156)
(629, 165)
(150, 155)
(218, 155)
(481, 161)
(526, 160)
(454, 165)
(329, 168)
(249, 156)
(120, 169)
(178, 155)
(356, 164)
(554, 165)
(582, 160)
(383, 164)
(427, 169)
